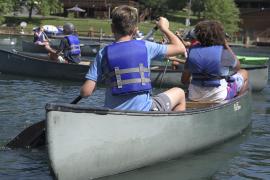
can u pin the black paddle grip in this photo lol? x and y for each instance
(75, 101)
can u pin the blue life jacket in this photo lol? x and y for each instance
(204, 63)
(128, 67)
(74, 45)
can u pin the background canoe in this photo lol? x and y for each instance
(86, 49)
(249, 60)
(40, 66)
(258, 76)
(107, 142)
(20, 64)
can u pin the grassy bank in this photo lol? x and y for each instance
(83, 25)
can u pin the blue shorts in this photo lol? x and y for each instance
(234, 87)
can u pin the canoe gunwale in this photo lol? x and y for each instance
(32, 57)
(254, 67)
(86, 49)
(111, 145)
(64, 107)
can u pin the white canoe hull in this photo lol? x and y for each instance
(88, 143)
(258, 77)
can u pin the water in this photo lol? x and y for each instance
(22, 103)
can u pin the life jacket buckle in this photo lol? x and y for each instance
(118, 77)
(141, 69)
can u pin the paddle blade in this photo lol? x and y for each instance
(31, 137)
(34, 136)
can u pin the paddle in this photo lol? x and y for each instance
(46, 36)
(150, 33)
(34, 136)
(162, 77)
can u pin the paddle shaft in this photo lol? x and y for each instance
(75, 101)
(162, 77)
(150, 33)
(46, 36)
(34, 136)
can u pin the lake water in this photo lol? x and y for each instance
(22, 102)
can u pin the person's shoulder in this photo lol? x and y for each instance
(150, 43)
(226, 52)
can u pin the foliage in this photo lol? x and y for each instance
(197, 7)
(6, 7)
(84, 24)
(161, 7)
(44, 7)
(224, 11)
(50, 6)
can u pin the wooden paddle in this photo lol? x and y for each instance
(34, 136)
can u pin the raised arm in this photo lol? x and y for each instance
(175, 46)
(237, 67)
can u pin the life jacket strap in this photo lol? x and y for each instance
(210, 77)
(129, 81)
(140, 70)
(74, 46)
(119, 82)
(118, 77)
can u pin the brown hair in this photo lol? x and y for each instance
(124, 19)
(210, 33)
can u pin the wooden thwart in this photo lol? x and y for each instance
(199, 104)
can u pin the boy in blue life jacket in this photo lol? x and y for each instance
(69, 46)
(209, 64)
(125, 67)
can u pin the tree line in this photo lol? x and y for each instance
(225, 11)
(44, 7)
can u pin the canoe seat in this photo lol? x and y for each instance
(199, 104)
(85, 63)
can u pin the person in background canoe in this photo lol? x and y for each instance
(190, 38)
(125, 67)
(209, 63)
(40, 38)
(69, 49)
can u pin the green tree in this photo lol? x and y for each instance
(224, 11)
(154, 8)
(197, 7)
(49, 7)
(6, 6)
(44, 7)
(157, 8)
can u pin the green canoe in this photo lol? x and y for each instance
(253, 60)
